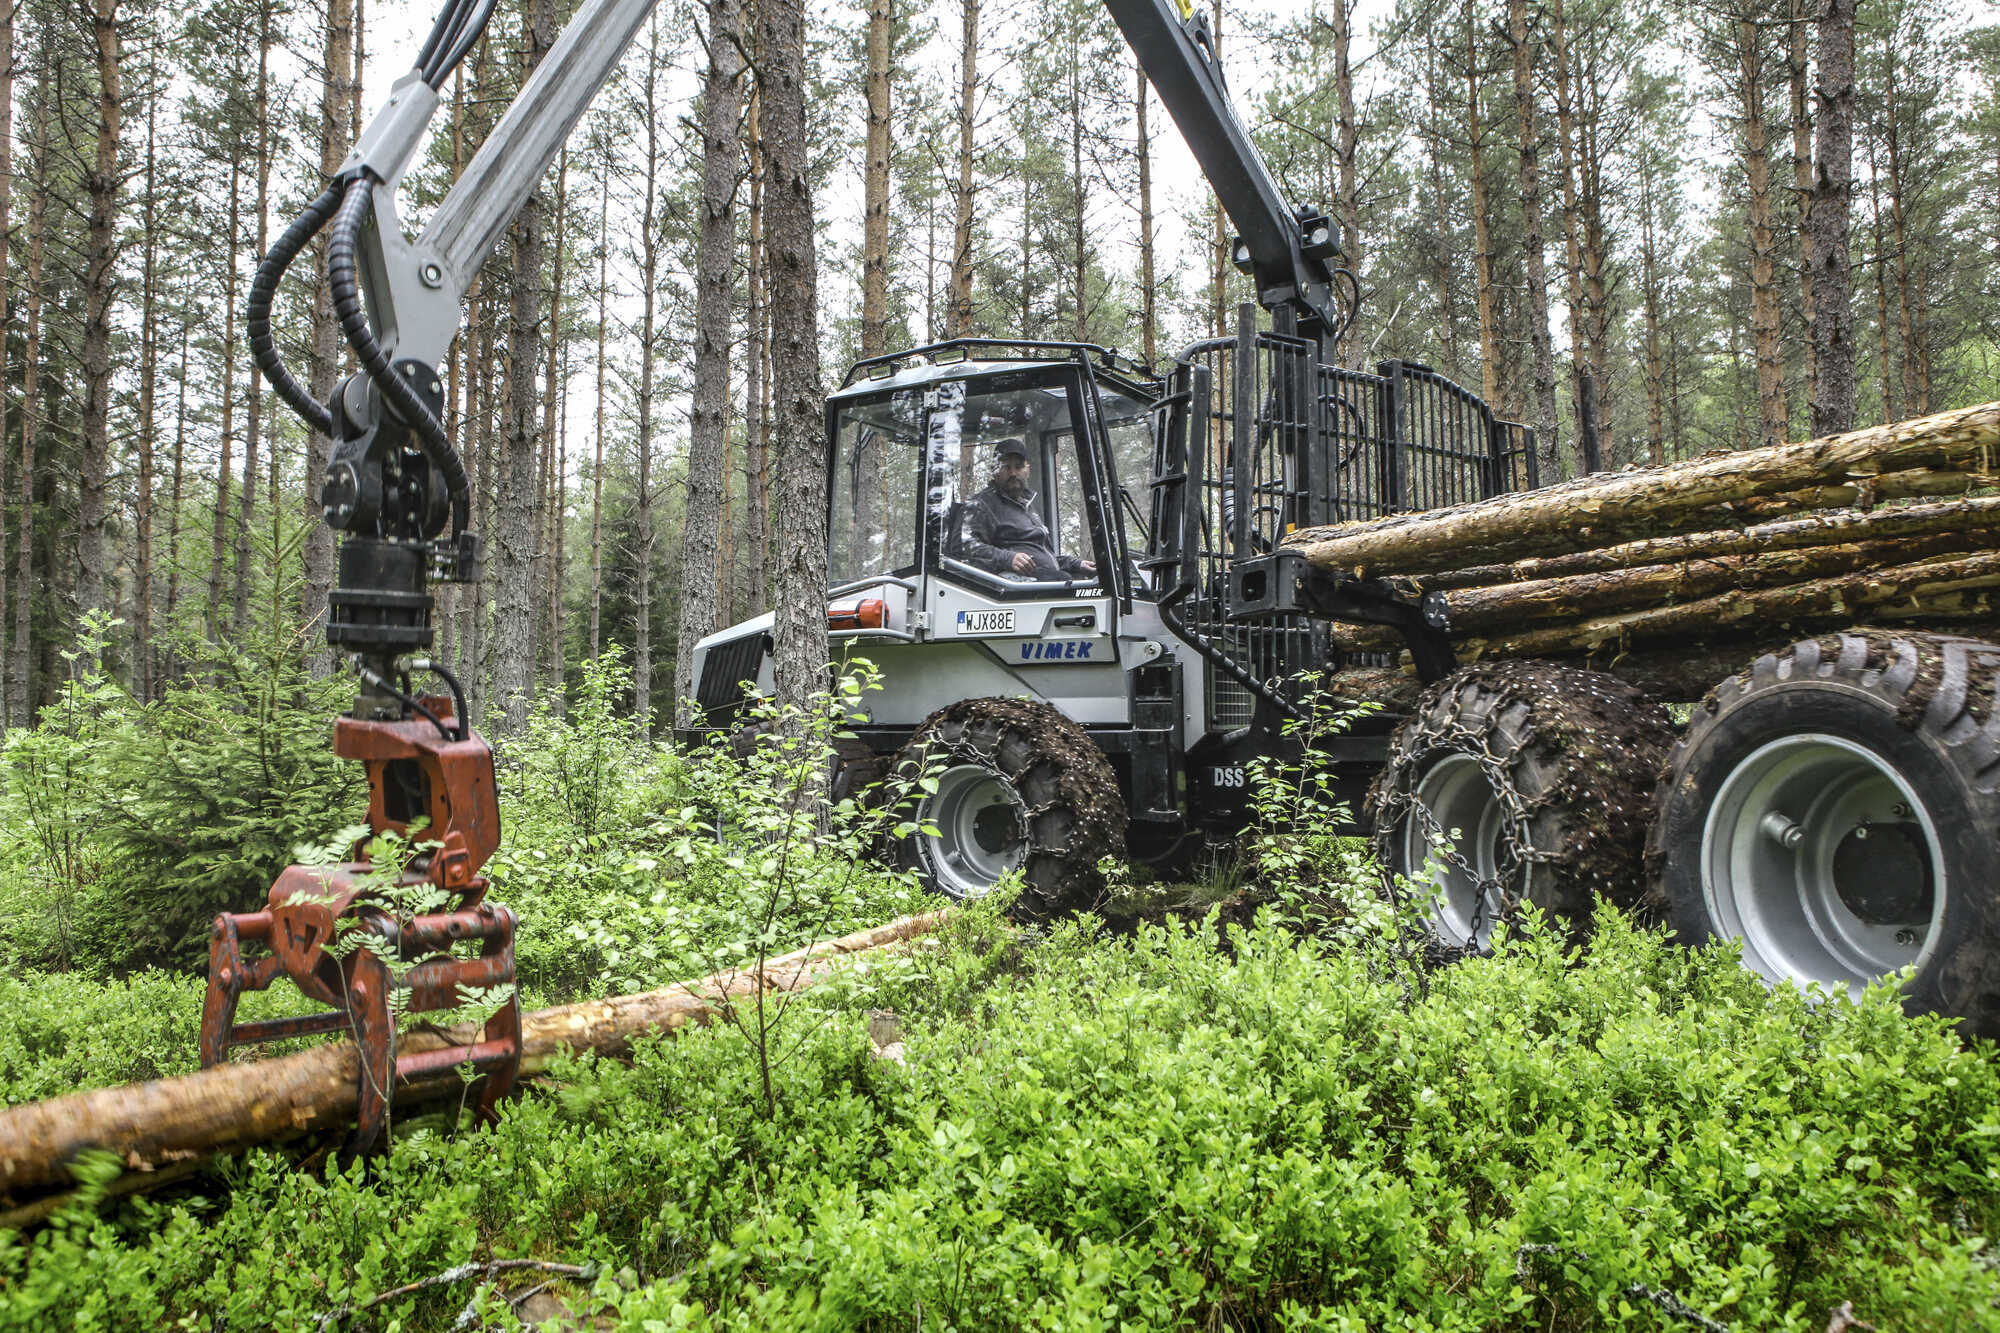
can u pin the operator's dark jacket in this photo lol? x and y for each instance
(995, 527)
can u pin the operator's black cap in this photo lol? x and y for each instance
(1006, 448)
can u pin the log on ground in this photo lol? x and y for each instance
(1958, 449)
(169, 1122)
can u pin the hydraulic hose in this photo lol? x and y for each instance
(270, 271)
(401, 395)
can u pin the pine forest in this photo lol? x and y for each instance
(1321, 965)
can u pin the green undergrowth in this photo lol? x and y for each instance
(629, 866)
(1149, 1132)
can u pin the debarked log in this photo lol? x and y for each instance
(167, 1123)
(1950, 451)
(1945, 591)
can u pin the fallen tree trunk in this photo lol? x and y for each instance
(1953, 450)
(1847, 525)
(170, 1122)
(1945, 591)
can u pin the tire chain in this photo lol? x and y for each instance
(1399, 802)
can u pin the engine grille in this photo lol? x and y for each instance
(723, 671)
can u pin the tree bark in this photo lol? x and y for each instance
(1765, 330)
(1885, 461)
(708, 421)
(1346, 154)
(553, 419)
(99, 285)
(757, 379)
(153, 1125)
(323, 365)
(1482, 225)
(1534, 262)
(649, 277)
(20, 677)
(253, 407)
(597, 464)
(958, 317)
(799, 628)
(1834, 387)
(516, 536)
(1149, 297)
(1802, 188)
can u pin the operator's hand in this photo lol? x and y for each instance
(1023, 563)
(1087, 567)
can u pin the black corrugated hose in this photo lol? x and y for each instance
(270, 269)
(353, 317)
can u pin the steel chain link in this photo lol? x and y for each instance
(1514, 852)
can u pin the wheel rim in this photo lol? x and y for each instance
(1465, 820)
(981, 831)
(1819, 856)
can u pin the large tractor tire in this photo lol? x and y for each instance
(1019, 787)
(1837, 809)
(1518, 782)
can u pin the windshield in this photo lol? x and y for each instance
(1006, 481)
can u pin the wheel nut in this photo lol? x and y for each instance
(1906, 937)
(1781, 830)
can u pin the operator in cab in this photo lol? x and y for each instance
(1003, 533)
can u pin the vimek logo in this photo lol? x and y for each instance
(1067, 650)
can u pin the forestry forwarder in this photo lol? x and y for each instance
(1833, 807)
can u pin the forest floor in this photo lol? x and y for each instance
(1132, 1120)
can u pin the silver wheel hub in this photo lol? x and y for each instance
(1818, 855)
(1451, 848)
(981, 830)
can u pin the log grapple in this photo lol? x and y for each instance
(344, 935)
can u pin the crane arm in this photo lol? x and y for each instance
(1290, 253)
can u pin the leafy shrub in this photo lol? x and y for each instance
(1150, 1134)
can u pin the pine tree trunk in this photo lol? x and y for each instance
(1534, 262)
(1579, 356)
(597, 461)
(1890, 403)
(958, 319)
(1346, 151)
(253, 413)
(552, 464)
(1650, 293)
(323, 365)
(1765, 330)
(757, 396)
(1802, 186)
(649, 276)
(1482, 224)
(708, 421)
(875, 184)
(799, 628)
(1441, 217)
(149, 369)
(516, 535)
(20, 676)
(1914, 396)
(1149, 299)
(225, 460)
(21, 591)
(99, 287)
(1834, 388)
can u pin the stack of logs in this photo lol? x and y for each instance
(1662, 574)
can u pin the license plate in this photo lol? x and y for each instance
(986, 622)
